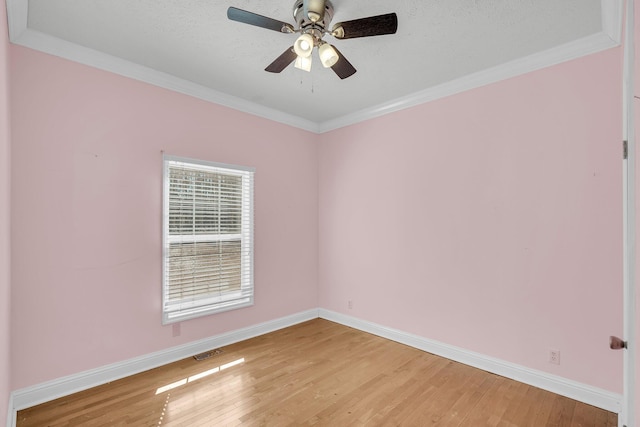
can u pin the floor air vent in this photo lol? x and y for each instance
(207, 354)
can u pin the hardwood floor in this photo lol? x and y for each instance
(316, 373)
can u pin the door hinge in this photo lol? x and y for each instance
(625, 150)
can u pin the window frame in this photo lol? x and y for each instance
(178, 311)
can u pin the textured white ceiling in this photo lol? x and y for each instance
(438, 41)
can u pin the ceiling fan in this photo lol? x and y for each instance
(313, 18)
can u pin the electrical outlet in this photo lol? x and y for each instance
(350, 304)
(554, 356)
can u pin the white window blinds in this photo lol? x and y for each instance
(208, 238)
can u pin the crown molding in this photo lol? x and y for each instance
(20, 34)
(612, 17)
(560, 54)
(17, 15)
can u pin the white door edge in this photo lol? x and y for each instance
(627, 415)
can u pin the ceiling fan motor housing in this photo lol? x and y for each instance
(318, 28)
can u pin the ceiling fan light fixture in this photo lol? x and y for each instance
(328, 55)
(303, 63)
(304, 45)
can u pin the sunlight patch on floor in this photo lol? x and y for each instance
(199, 376)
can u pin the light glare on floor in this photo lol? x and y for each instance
(230, 364)
(171, 386)
(203, 374)
(199, 376)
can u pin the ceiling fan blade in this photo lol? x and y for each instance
(366, 27)
(343, 68)
(251, 18)
(282, 61)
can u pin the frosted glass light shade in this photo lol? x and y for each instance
(304, 45)
(303, 63)
(328, 55)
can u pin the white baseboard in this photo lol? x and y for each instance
(44, 392)
(572, 389)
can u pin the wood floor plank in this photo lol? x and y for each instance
(317, 373)
(562, 412)
(583, 415)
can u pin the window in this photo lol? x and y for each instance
(208, 238)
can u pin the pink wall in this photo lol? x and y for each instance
(5, 263)
(86, 203)
(489, 220)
